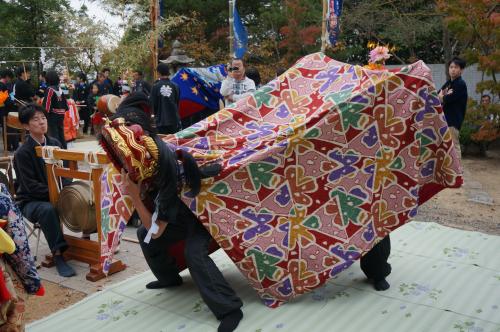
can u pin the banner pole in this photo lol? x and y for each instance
(323, 26)
(231, 29)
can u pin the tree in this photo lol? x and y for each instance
(84, 41)
(475, 26)
(414, 27)
(28, 23)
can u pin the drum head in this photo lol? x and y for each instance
(113, 103)
(75, 211)
(13, 120)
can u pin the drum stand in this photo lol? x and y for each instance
(80, 249)
(7, 123)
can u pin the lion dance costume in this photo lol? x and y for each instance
(318, 166)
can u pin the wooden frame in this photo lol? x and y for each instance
(22, 133)
(83, 250)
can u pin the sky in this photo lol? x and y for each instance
(97, 11)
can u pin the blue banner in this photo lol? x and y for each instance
(199, 88)
(332, 23)
(240, 35)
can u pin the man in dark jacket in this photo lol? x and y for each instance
(23, 90)
(453, 95)
(33, 189)
(80, 95)
(164, 101)
(140, 85)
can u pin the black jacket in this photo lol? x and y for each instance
(91, 103)
(31, 174)
(164, 101)
(23, 91)
(142, 86)
(81, 93)
(455, 104)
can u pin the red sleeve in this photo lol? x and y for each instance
(48, 99)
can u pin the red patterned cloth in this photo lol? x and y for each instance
(318, 166)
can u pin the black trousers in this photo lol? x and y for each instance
(46, 215)
(85, 116)
(214, 289)
(374, 263)
(56, 128)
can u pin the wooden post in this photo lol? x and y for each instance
(83, 250)
(154, 10)
(231, 29)
(323, 26)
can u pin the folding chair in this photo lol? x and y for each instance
(32, 228)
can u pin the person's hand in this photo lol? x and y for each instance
(442, 93)
(449, 91)
(131, 188)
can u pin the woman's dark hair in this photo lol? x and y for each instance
(82, 76)
(253, 74)
(135, 109)
(52, 77)
(4, 73)
(21, 69)
(457, 61)
(26, 113)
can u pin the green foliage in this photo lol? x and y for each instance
(475, 25)
(29, 23)
(480, 118)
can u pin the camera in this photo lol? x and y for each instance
(233, 68)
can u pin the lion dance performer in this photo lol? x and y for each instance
(155, 173)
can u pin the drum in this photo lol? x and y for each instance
(76, 209)
(13, 120)
(108, 104)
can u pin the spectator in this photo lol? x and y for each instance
(164, 99)
(80, 95)
(485, 100)
(453, 95)
(55, 105)
(42, 86)
(6, 77)
(107, 81)
(33, 189)
(23, 90)
(236, 85)
(104, 88)
(253, 74)
(140, 85)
